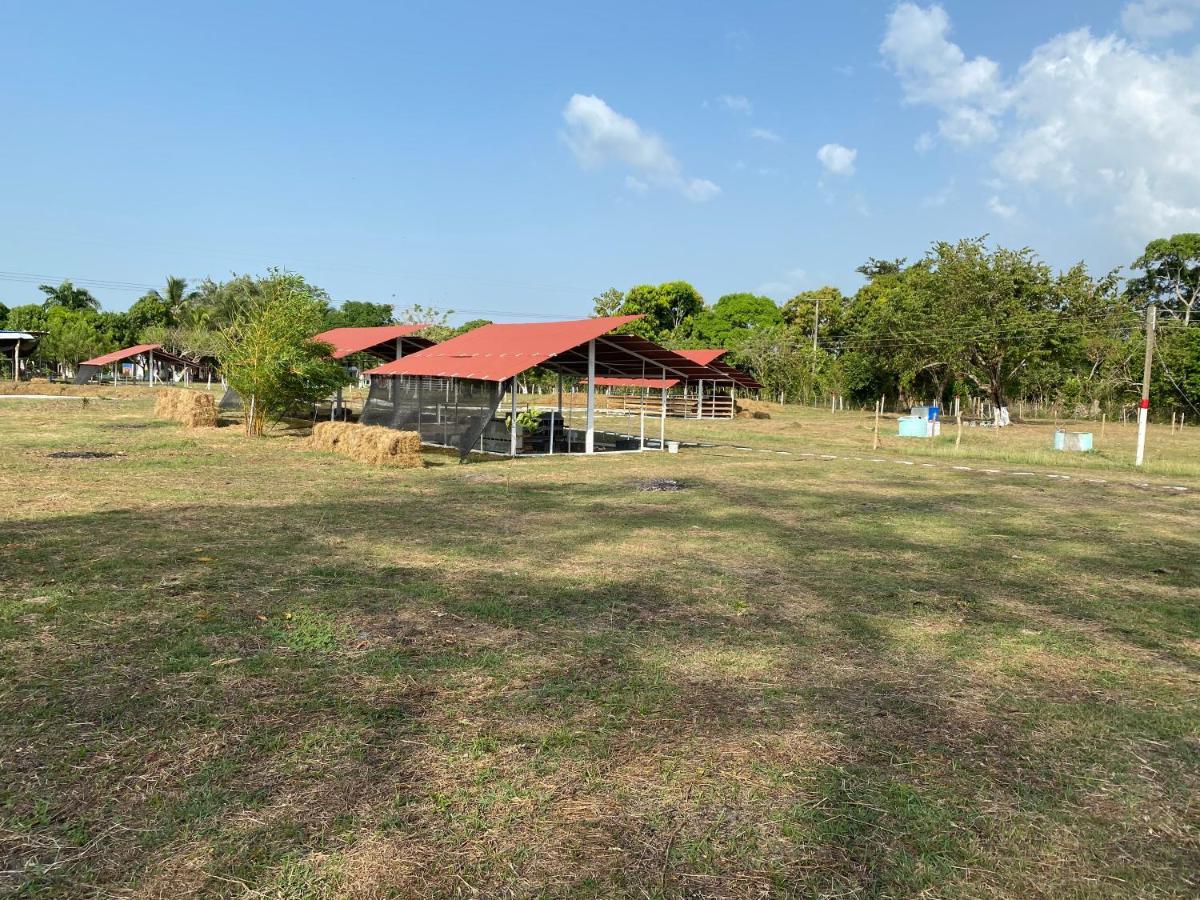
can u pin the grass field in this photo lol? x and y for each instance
(237, 667)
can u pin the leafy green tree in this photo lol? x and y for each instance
(3, 316)
(828, 302)
(360, 314)
(608, 303)
(268, 355)
(667, 308)
(27, 317)
(67, 296)
(150, 311)
(731, 319)
(73, 336)
(1171, 275)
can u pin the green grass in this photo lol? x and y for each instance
(232, 666)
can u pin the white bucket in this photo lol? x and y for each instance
(672, 446)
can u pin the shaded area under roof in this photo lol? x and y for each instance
(378, 340)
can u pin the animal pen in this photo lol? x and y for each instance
(452, 393)
(16, 346)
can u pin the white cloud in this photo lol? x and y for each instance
(598, 136)
(765, 134)
(735, 103)
(1003, 210)
(785, 287)
(934, 71)
(924, 142)
(1151, 19)
(1109, 126)
(837, 159)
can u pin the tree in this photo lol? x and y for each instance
(27, 317)
(73, 336)
(436, 321)
(150, 311)
(360, 314)
(608, 303)
(666, 308)
(268, 355)
(828, 301)
(733, 316)
(68, 296)
(3, 315)
(996, 307)
(1172, 275)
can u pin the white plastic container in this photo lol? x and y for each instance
(672, 446)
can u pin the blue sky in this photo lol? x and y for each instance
(515, 160)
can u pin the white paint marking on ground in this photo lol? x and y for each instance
(827, 456)
(1021, 473)
(961, 468)
(992, 471)
(928, 466)
(905, 462)
(878, 460)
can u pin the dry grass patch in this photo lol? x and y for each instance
(369, 443)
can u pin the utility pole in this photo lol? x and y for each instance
(1144, 408)
(816, 319)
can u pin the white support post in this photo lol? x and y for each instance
(642, 417)
(662, 415)
(399, 347)
(551, 432)
(589, 444)
(150, 366)
(560, 396)
(700, 399)
(512, 417)
(17, 361)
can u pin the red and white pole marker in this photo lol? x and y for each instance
(1144, 406)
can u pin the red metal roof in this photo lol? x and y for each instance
(118, 355)
(346, 341)
(497, 352)
(712, 359)
(635, 382)
(704, 357)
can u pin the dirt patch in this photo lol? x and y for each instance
(660, 484)
(82, 454)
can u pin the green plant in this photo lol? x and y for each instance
(528, 420)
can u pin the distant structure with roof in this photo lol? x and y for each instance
(148, 363)
(15, 347)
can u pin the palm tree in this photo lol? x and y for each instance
(68, 296)
(176, 296)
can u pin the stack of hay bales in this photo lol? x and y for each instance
(195, 409)
(369, 443)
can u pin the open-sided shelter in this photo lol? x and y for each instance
(146, 362)
(15, 346)
(710, 395)
(451, 392)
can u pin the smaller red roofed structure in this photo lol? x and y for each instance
(388, 342)
(148, 362)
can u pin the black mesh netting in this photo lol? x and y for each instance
(84, 374)
(452, 412)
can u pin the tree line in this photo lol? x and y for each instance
(966, 320)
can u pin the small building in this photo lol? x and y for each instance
(451, 393)
(148, 363)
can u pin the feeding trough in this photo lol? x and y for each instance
(1073, 441)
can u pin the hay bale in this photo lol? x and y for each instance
(372, 444)
(192, 409)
